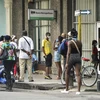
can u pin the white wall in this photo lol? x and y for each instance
(2, 18)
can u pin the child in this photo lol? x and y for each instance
(34, 62)
(95, 59)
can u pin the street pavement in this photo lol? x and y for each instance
(43, 84)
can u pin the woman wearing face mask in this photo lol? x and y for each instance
(74, 54)
(95, 59)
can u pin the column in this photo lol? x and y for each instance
(8, 6)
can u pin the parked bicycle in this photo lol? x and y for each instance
(89, 74)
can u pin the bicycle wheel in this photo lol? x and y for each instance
(63, 77)
(89, 76)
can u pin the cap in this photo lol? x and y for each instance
(69, 34)
(13, 37)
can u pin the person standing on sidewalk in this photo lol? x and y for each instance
(73, 59)
(46, 47)
(95, 58)
(10, 61)
(16, 66)
(64, 56)
(34, 63)
(57, 56)
(26, 46)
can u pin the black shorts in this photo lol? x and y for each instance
(73, 60)
(48, 60)
(95, 59)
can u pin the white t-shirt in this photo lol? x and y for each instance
(22, 44)
(15, 44)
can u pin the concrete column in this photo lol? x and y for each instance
(8, 6)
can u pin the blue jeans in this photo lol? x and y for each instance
(34, 66)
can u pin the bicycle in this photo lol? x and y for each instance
(89, 74)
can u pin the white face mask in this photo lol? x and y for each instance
(48, 37)
(74, 39)
(15, 40)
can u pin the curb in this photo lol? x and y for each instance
(38, 86)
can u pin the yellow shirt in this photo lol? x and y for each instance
(47, 46)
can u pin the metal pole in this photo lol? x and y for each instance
(23, 14)
(79, 27)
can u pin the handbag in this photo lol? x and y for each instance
(4, 54)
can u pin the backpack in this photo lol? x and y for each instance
(62, 49)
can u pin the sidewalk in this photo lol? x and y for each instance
(43, 84)
(39, 83)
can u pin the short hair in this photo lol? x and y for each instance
(94, 41)
(2, 38)
(7, 37)
(74, 33)
(24, 32)
(60, 38)
(48, 33)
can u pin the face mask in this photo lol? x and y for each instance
(48, 37)
(74, 39)
(95, 44)
(15, 40)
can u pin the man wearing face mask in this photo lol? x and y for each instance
(46, 47)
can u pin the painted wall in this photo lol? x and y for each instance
(2, 18)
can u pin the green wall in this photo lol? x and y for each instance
(2, 18)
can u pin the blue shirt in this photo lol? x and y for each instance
(34, 58)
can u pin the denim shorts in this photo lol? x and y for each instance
(57, 56)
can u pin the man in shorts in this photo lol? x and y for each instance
(46, 47)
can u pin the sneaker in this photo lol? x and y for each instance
(9, 89)
(64, 91)
(58, 78)
(77, 93)
(48, 77)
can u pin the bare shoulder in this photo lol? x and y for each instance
(70, 43)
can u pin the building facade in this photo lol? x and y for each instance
(15, 19)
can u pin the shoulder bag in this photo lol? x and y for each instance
(76, 46)
(27, 41)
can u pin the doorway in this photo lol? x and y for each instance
(98, 40)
